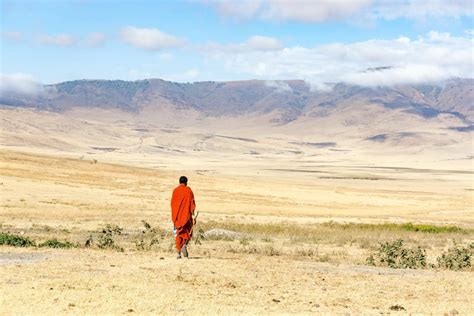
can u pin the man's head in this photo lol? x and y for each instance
(183, 180)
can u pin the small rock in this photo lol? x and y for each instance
(276, 301)
(130, 310)
(453, 312)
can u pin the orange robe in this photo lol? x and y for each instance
(182, 210)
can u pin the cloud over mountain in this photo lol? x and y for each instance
(19, 83)
(434, 57)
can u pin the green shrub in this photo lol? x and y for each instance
(456, 258)
(15, 240)
(395, 255)
(431, 228)
(54, 243)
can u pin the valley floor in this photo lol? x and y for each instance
(297, 252)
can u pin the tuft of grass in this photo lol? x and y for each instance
(54, 243)
(245, 241)
(15, 240)
(305, 253)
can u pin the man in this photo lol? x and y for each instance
(182, 211)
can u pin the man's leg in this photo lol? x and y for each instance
(179, 245)
(184, 250)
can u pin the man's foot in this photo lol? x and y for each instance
(184, 251)
(179, 255)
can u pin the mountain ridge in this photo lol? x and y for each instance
(292, 98)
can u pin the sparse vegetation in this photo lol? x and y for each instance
(148, 237)
(275, 229)
(54, 243)
(395, 255)
(106, 239)
(15, 240)
(456, 257)
(425, 228)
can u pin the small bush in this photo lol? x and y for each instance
(106, 239)
(456, 258)
(54, 243)
(305, 253)
(245, 241)
(394, 255)
(149, 237)
(15, 240)
(271, 251)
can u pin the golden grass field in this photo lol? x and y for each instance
(296, 252)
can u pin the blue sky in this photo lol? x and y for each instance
(319, 41)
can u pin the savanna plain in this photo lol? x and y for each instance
(93, 236)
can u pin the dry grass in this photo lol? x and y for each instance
(297, 253)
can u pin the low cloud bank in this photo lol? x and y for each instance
(431, 58)
(20, 83)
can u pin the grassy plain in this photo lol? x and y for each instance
(301, 246)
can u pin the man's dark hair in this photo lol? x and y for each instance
(183, 180)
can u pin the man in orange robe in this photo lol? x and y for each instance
(182, 211)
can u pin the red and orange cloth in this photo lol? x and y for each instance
(182, 210)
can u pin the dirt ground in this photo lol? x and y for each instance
(102, 282)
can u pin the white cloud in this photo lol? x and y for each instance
(95, 39)
(19, 83)
(311, 11)
(189, 75)
(422, 9)
(241, 9)
(317, 11)
(13, 35)
(434, 57)
(149, 39)
(253, 44)
(279, 86)
(64, 40)
(263, 43)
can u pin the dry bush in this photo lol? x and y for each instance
(456, 257)
(395, 255)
